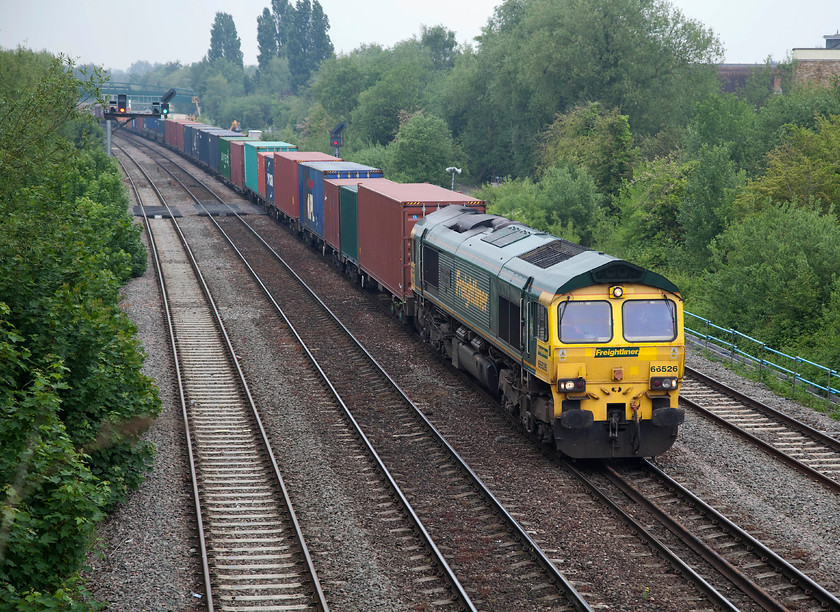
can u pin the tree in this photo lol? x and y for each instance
(565, 202)
(266, 39)
(649, 231)
(283, 16)
(539, 58)
(307, 43)
(321, 47)
(298, 33)
(729, 121)
(595, 138)
(801, 169)
(376, 119)
(773, 273)
(441, 43)
(73, 399)
(337, 85)
(707, 206)
(422, 150)
(224, 41)
(297, 43)
(274, 78)
(824, 346)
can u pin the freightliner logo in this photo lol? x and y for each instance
(624, 351)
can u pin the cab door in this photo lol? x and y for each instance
(540, 340)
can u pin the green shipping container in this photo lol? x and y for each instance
(251, 150)
(348, 204)
(224, 153)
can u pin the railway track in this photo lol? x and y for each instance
(806, 449)
(253, 552)
(402, 437)
(424, 466)
(754, 585)
(751, 574)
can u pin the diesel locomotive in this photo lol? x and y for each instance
(585, 349)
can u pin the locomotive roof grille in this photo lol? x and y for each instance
(550, 253)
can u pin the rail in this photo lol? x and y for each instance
(790, 367)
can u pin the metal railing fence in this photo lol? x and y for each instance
(816, 378)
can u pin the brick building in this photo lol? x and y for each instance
(818, 65)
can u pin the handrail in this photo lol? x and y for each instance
(799, 367)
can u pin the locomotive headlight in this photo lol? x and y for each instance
(661, 382)
(569, 385)
(616, 292)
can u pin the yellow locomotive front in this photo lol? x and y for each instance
(617, 353)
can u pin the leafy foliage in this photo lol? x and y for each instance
(422, 151)
(51, 501)
(773, 272)
(74, 399)
(596, 139)
(297, 33)
(564, 202)
(648, 230)
(709, 192)
(802, 168)
(441, 44)
(539, 58)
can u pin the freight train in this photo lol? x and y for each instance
(584, 349)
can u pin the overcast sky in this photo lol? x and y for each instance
(116, 34)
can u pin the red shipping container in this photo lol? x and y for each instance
(169, 133)
(387, 213)
(237, 163)
(332, 218)
(286, 186)
(178, 129)
(181, 133)
(171, 128)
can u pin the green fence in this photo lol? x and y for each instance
(815, 378)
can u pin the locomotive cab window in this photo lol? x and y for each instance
(430, 267)
(649, 320)
(509, 323)
(539, 322)
(585, 322)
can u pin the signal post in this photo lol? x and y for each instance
(119, 110)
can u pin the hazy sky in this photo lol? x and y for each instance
(112, 34)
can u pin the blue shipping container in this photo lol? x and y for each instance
(204, 137)
(311, 177)
(191, 139)
(269, 179)
(214, 152)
